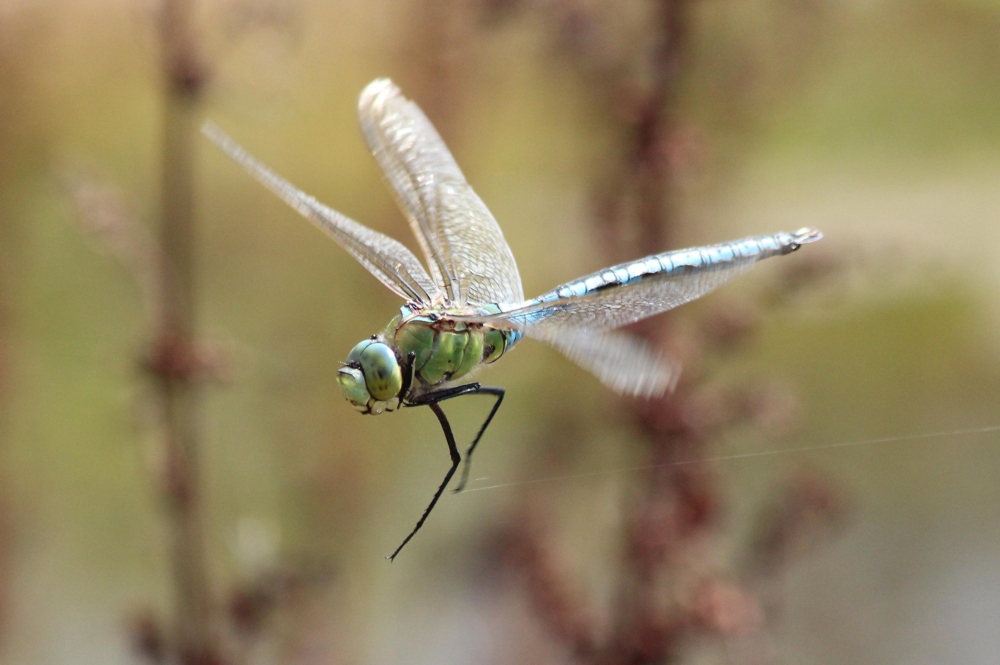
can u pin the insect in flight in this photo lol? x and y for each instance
(466, 309)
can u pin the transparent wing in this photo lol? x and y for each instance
(463, 243)
(390, 261)
(629, 292)
(620, 305)
(623, 363)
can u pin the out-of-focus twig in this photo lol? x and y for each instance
(437, 46)
(110, 223)
(803, 515)
(671, 585)
(202, 630)
(174, 361)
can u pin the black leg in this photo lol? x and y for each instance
(455, 459)
(498, 393)
(445, 393)
(458, 391)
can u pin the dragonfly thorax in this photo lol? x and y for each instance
(372, 378)
(444, 350)
(418, 352)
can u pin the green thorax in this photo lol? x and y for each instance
(443, 349)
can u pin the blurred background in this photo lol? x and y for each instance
(182, 482)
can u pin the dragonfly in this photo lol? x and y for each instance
(465, 307)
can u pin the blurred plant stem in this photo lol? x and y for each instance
(210, 625)
(174, 361)
(651, 129)
(672, 586)
(438, 44)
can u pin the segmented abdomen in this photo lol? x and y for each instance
(712, 258)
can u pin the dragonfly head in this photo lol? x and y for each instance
(372, 379)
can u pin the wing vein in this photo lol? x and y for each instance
(389, 260)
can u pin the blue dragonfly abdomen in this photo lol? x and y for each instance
(681, 265)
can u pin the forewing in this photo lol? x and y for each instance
(463, 243)
(626, 364)
(390, 261)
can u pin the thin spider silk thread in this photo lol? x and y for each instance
(740, 456)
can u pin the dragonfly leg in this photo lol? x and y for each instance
(498, 393)
(455, 459)
(445, 393)
(458, 391)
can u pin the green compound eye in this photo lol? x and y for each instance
(381, 370)
(355, 355)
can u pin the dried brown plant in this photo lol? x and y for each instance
(670, 592)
